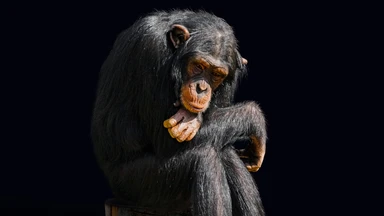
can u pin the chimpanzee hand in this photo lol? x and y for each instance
(183, 125)
(253, 154)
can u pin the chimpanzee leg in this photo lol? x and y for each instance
(211, 194)
(194, 176)
(245, 196)
(150, 182)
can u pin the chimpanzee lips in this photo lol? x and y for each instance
(197, 107)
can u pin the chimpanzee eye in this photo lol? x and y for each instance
(200, 67)
(197, 69)
(216, 74)
(215, 77)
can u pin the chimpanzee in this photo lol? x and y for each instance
(165, 121)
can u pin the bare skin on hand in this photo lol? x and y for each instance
(184, 125)
(254, 153)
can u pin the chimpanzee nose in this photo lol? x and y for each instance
(201, 87)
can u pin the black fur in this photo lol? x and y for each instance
(139, 82)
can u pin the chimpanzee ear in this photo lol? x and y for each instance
(244, 61)
(240, 60)
(178, 35)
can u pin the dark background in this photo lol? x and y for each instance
(302, 71)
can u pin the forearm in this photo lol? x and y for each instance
(227, 125)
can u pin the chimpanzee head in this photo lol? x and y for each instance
(207, 48)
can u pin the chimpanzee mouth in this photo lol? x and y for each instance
(196, 108)
(193, 107)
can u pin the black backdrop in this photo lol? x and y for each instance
(53, 56)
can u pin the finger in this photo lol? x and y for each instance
(248, 166)
(171, 122)
(254, 168)
(193, 134)
(170, 132)
(178, 129)
(185, 134)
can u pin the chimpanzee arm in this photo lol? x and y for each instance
(223, 126)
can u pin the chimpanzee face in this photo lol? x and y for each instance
(204, 71)
(204, 75)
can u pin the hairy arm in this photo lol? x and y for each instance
(224, 126)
